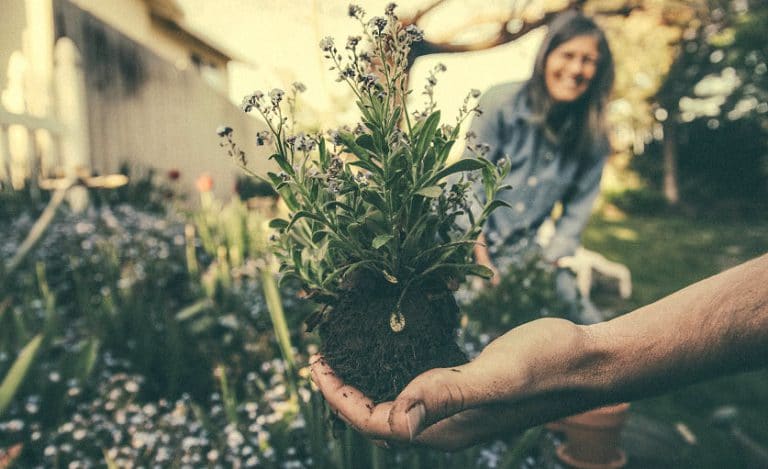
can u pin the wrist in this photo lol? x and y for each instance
(581, 371)
(554, 366)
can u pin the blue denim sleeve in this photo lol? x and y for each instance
(496, 107)
(577, 204)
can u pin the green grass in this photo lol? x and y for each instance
(666, 253)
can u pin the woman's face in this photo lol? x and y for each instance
(570, 68)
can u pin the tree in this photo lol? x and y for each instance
(719, 75)
(520, 18)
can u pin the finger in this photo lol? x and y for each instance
(314, 359)
(465, 429)
(432, 396)
(496, 279)
(350, 404)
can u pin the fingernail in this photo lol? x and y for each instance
(414, 418)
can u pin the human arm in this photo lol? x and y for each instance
(482, 257)
(551, 368)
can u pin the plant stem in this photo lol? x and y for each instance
(276, 313)
(38, 229)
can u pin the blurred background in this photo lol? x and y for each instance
(140, 322)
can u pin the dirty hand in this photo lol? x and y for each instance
(452, 408)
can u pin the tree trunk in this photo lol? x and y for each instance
(671, 188)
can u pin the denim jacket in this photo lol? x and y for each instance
(541, 175)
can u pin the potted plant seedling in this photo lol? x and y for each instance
(375, 232)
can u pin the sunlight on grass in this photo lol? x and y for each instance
(624, 234)
(665, 254)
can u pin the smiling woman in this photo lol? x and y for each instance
(570, 68)
(551, 129)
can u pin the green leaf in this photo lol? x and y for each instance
(381, 240)
(296, 257)
(367, 165)
(318, 236)
(345, 270)
(283, 163)
(395, 118)
(87, 359)
(352, 145)
(288, 275)
(304, 214)
(366, 141)
(354, 229)
(430, 191)
(336, 204)
(364, 110)
(493, 206)
(466, 269)
(276, 180)
(18, 371)
(194, 309)
(375, 199)
(278, 223)
(323, 154)
(289, 198)
(444, 151)
(315, 187)
(478, 270)
(443, 249)
(465, 164)
(427, 133)
(489, 182)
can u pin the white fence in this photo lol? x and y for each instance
(33, 147)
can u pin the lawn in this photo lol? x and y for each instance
(665, 253)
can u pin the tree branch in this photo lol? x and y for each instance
(503, 35)
(414, 19)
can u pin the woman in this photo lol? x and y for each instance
(552, 131)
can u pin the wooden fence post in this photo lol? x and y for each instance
(72, 109)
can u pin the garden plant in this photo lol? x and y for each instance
(380, 228)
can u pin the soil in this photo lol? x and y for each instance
(361, 347)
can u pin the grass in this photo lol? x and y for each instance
(666, 253)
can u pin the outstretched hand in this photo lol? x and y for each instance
(551, 368)
(453, 408)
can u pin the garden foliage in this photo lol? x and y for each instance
(375, 198)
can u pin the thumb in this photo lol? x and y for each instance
(432, 396)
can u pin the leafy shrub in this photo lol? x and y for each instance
(526, 292)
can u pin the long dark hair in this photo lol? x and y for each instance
(584, 123)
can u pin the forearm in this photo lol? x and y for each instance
(481, 251)
(714, 327)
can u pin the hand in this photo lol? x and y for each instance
(482, 257)
(453, 408)
(551, 368)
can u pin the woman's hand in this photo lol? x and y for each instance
(482, 257)
(452, 408)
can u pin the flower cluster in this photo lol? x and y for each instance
(374, 198)
(429, 91)
(115, 425)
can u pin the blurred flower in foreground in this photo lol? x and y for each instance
(204, 183)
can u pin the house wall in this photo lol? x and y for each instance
(132, 18)
(145, 111)
(12, 23)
